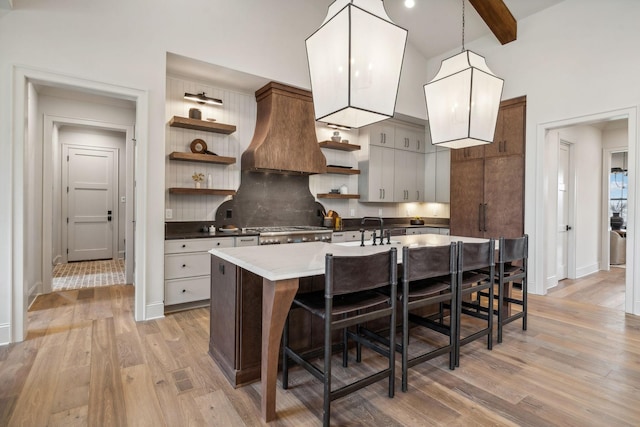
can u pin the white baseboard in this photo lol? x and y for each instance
(585, 271)
(154, 311)
(5, 333)
(551, 282)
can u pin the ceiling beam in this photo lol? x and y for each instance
(498, 18)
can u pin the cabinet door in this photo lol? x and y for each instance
(437, 176)
(382, 135)
(443, 175)
(404, 176)
(510, 131)
(470, 153)
(224, 311)
(467, 182)
(418, 194)
(377, 175)
(410, 139)
(504, 196)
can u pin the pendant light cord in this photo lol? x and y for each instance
(463, 25)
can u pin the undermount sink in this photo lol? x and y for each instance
(366, 243)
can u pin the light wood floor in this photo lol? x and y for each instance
(87, 362)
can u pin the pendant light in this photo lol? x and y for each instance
(355, 58)
(463, 100)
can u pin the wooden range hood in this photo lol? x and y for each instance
(285, 138)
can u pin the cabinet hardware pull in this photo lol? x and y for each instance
(184, 265)
(480, 217)
(184, 290)
(184, 246)
(484, 216)
(221, 268)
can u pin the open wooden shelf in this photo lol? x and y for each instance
(205, 125)
(201, 191)
(343, 171)
(337, 196)
(338, 146)
(204, 158)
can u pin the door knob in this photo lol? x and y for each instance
(108, 215)
(568, 227)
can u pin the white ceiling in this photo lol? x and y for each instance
(434, 26)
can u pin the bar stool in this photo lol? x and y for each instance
(428, 277)
(475, 274)
(511, 268)
(349, 298)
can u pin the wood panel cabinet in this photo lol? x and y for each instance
(487, 192)
(235, 330)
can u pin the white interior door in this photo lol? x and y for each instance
(90, 203)
(564, 188)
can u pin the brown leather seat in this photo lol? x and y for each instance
(428, 279)
(511, 269)
(349, 298)
(475, 274)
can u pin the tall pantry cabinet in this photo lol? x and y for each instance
(487, 182)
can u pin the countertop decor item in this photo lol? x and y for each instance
(197, 177)
(336, 136)
(416, 221)
(195, 113)
(198, 146)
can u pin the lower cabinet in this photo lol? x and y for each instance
(235, 337)
(187, 269)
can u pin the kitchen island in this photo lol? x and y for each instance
(236, 276)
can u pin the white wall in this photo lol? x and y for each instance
(570, 61)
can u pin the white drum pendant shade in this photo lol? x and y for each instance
(463, 102)
(355, 59)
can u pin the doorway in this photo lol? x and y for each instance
(590, 218)
(30, 230)
(105, 153)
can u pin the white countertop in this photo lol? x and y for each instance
(280, 262)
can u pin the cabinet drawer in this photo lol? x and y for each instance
(179, 291)
(246, 241)
(186, 265)
(350, 236)
(196, 245)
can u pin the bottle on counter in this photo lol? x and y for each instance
(209, 181)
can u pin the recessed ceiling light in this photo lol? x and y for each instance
(409, 3)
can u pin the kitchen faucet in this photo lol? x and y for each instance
(380, 220)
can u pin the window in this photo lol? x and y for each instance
(618, 184)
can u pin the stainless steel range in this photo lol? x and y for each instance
(291, 234)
